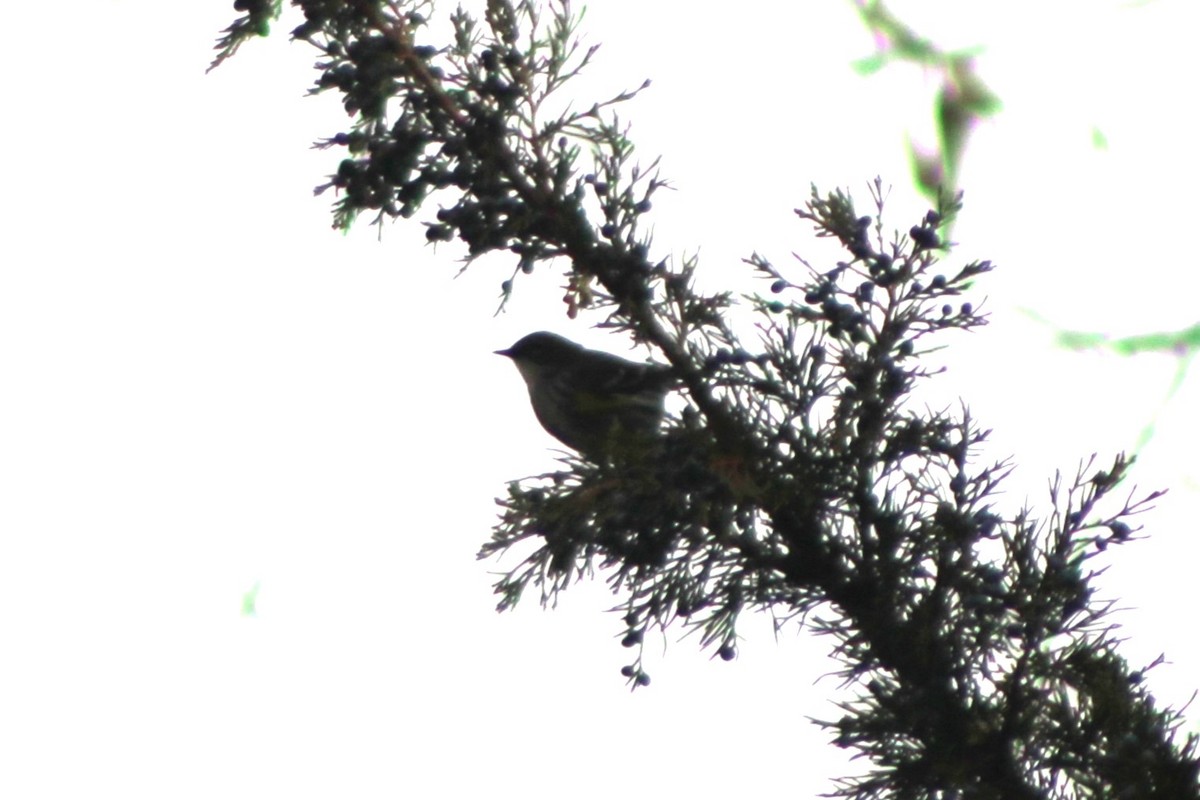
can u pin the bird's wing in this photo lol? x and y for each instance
(607, 373)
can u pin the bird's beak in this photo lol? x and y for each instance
(507, 352)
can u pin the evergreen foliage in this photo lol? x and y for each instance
(977, 662)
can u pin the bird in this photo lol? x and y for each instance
(596, 403)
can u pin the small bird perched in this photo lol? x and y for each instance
(589, 400)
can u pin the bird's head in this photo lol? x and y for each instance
(543, 349)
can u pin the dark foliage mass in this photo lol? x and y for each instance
(797, 480)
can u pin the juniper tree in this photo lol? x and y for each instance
(977, 662)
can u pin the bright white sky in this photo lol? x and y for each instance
(206, 389)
